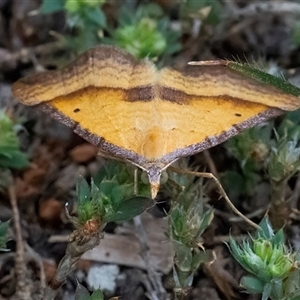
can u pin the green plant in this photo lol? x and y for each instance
(10, 155)
(274, 267)
(283, 161)
(251, 149)
(266, 155)
(145, 32)
(109, 197)
(85, 17)
(189, 216)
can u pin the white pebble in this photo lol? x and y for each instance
(103, 277)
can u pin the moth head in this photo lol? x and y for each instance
(155, 176)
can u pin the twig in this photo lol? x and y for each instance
(273, 7)
(74, 251)
(23, 290)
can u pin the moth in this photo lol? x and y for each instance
(132, 111)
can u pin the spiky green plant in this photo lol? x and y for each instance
(274, 267)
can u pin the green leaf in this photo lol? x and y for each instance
(97, 295)
(106, 186)
(51, 6)
(266, 292)
(95, 191)
(83, 191)
(96, 15)
(207, 218)
(82, 293)
(263, 77)
(16, 160)
(277, 288)
(289, 126)
(252, 284)
(183, 257)
(284, 160)
(131, 208)
(279, 237)
(266, 230)
(120, 192)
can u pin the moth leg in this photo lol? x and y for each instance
(221, 190)
(135, 182)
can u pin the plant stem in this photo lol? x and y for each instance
(74, 251)
(23, 290)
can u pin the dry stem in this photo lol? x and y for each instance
(23, 290)
(74, 251)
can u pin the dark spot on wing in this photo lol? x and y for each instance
(76, 110)
(172, 95)
(140, 93)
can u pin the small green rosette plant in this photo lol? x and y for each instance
(273, 266)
